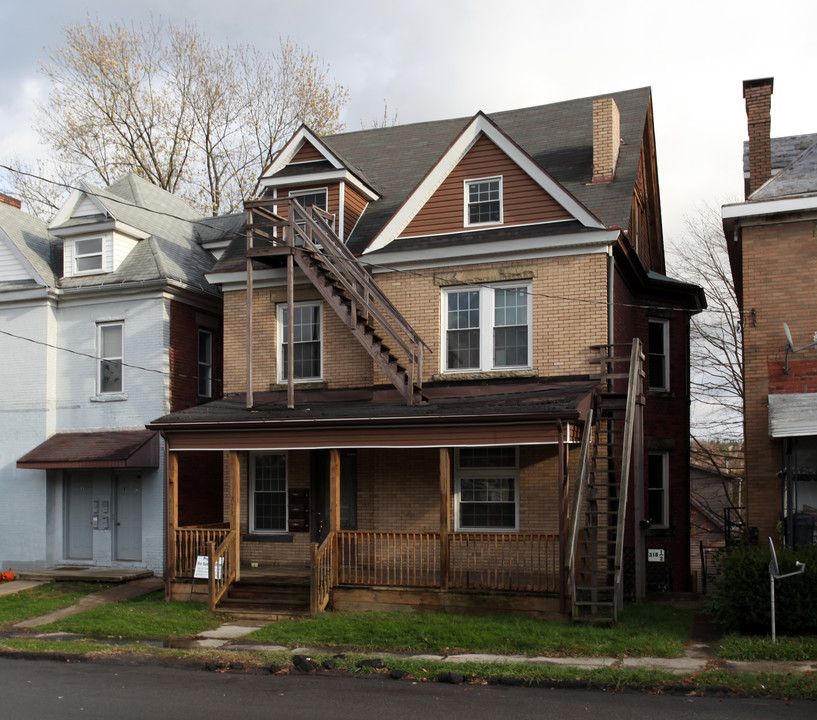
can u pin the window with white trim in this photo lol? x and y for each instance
(658, 354)
(268, 493)
(486, 488)
(483, 201)
(658, 489)
(307, 353)
(205, 363)
(487, 328)
(110, 352)
(87, 256)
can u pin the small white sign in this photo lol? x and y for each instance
(656, 555)
(202, 571)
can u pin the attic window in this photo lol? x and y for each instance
(87, 256)
(483, 201)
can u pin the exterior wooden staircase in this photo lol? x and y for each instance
(343, 283)
(596, 534)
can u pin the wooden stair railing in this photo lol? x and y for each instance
(323, 575)
(344, 284)
(597, 567)
(222, 565)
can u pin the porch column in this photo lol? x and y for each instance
(638, 503)
(235, 509)
(445, 514)
(334, 490)
(172, 518)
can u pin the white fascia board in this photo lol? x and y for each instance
(103, 227)
(290, 150)
(460, 147)
(510, 251)
(341, 175)
(25, 298)
(768, 207)
(66, 211)
(237, 279)
(27, 266)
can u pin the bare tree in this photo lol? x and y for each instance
(195, 118)
(716, 359)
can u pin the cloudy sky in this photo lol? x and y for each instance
(432, 59)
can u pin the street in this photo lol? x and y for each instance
(44, 689)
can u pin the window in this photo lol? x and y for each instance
(657, 489)
(307, 198)
(205, 363)
(87, 256)
(268, 491)
(487, 328)
(658, 351)
(307, 340)
(109, 343)
(483, 201)
(486, 489)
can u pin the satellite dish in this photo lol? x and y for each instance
(788, 337)
(774, 568)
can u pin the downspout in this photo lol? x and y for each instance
(611, 335)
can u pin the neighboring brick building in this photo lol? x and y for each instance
(495, 256)
(770, 238)
(107, 321)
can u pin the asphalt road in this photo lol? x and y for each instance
(42, 689)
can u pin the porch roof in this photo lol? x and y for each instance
(85, 450)
(525, 416)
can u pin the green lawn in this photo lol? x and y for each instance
(43, 599)
(748, 647)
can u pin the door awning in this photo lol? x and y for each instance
(792, 414)
(86, 450)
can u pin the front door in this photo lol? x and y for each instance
(128, 527)
(79, 516)
(319, 466)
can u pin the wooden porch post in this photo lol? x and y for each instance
(235, 510)
(445, 507)
(334, 490)
(638, 503)
(172, 519)
(250, 400)
(563, 463)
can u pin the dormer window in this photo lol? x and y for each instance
(87, 256)
(483, 201)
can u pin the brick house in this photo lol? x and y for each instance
(770, 239)
(107, 320)
(462, 291)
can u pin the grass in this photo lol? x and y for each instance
(747, 647)
(646, 630)
(147, 618)
(43, 599)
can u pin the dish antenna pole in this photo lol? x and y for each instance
(774, 574)
(790, 345)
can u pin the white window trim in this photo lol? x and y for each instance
(664, 490)
(665, 327)
(251, 493)
(466, 204)
(279, 342)
(488, 472)
(102, 358)
(75, 272)
(486, 327)
(207, 366)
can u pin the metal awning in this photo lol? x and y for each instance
(792, 415)
(86, 450)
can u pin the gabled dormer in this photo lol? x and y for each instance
(95, 241)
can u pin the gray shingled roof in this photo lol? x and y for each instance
(30, 236)
(797, 178)
(784, 150)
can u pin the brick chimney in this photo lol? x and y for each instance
(758, 95)
(606, 140)
(8, 200)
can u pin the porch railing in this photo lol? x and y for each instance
(322, 579)
(190, 542)
(222, 562)
(402, 559)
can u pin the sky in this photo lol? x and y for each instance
(435, 59)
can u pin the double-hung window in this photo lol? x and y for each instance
(658, 489)
(658, 353)
(87, 256)
(110, 352)
(487, 327)
(268, 503)
(306, 353)
(483, 201)
(205, 363)
(487, 489)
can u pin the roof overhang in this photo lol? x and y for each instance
(88, 450)
(739, 211)
(792, 415)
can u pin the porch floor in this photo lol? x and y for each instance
(85, 574)
(297, 575)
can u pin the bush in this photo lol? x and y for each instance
(741, 599)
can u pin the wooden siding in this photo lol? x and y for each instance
(524, 201)
(353, 207)
(307, 153)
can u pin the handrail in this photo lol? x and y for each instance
(583, 474)
(322, 576)
(222, 563)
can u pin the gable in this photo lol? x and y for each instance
(11, 267)
(524, 201)
(307, 153)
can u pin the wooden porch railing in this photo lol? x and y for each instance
(322, 580)
(191, 542)
(400, 559)
(222, 562)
